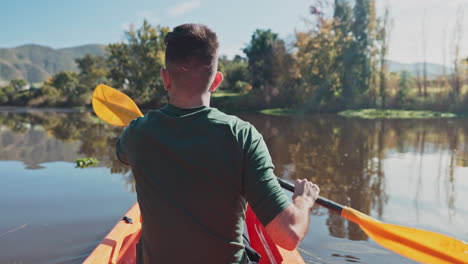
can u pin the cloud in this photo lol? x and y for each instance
(183, 8)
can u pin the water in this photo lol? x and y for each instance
(407, 172)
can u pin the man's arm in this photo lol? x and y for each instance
(289, 227)
(286, 223)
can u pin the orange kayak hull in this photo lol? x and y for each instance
(119, 246)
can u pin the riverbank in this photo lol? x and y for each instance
(396, 114)
(29, 109)
(279, 112)
(373, 113)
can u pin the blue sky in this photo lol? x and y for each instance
(70, 23)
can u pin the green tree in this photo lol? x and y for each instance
(382, 38)
(235, 70)
(318, 61)
(322, 58)
(6, 94)
(65, 82)
(260, 54)
(134, 66)
(270, 67)
(93, 71)
(357, 59)
(404, 85)
(338, 57)
(18, 84)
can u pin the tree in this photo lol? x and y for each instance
(404, 87)
(375, 56)
(234, 71)
(6, 94)
(457, 79)
(357, 59)
(18, 84)
(383, 42)
(65, 82)
(444, 78)
(93, 71)
(319, 61)
(269, 66)
(322, 57)
(134, 66)
(424, 42)
(260, 54)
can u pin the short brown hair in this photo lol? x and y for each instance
(190, 42)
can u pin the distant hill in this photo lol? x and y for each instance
(413, 68)
(36, 63)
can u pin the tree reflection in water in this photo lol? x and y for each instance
(55, 134)
(344, 156)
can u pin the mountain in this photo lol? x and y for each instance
(433, 69)
(36, 63)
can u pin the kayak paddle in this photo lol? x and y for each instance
(116, 108)
(113, 106)
(420, 245)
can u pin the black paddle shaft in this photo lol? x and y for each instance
(335, 207)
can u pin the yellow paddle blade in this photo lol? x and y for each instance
(113, 106)
(420, 245)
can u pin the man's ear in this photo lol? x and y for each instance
(217, 81)
(166, 78)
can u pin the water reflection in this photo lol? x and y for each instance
(37, 137)
(348, 158)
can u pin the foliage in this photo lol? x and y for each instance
(234, 71)
(242, 87)
(93, 70)
(336, 58)
(6, 94)
(382, 38)
(338, 63)
(270, 66)
(279, 112)
(18, 84)
(260, 53)
(221, 93)
(134, 66)
(86, 162)
(317, 59)
(403, 91)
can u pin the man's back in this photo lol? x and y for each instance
(195, 170)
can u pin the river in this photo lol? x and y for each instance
(407, 172)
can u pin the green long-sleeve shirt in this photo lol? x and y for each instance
(195, 171)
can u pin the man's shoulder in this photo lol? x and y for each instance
(233, 121)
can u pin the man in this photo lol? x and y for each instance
(196, 168)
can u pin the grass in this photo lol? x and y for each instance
(279, 111)
(397, 114)
(224, 94)
(86, 162)
(436, 91)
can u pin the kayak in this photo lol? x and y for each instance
(119, 246)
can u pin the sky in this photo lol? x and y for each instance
(59, 23)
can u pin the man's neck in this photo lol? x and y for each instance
(190, 102)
